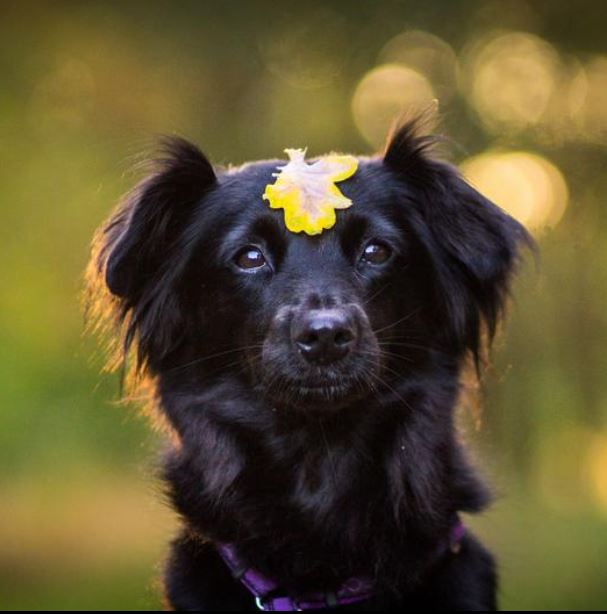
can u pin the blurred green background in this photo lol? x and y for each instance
(84, 87)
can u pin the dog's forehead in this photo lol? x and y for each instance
(241, 191)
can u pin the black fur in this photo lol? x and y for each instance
(316, 473)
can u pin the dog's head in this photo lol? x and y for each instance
(211, 282)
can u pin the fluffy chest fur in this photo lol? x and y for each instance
(311, 501)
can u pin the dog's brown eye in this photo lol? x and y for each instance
(250, 258)
(376, 253)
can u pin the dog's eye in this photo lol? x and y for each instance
(250, 258)
(376, 252)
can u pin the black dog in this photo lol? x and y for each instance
(309, 382)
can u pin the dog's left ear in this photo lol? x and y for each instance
(479, 242)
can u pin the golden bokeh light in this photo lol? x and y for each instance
(526, 185)
(596, 467)
(561, 469)
(562, 119)
(427, 54)
(384, 95)
(511, 79)
(593, 107)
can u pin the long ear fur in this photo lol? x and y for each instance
(477, 243)
(152, 216)
(134, 252)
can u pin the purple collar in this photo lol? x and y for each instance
(353, 590)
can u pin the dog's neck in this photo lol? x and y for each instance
(356, 484)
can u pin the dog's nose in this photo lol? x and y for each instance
(324, 335)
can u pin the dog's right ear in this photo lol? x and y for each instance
(138, 240)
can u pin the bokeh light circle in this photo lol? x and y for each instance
(526, 185)
(386, 93)
(593, 108)
(511, 78)
(429, 55)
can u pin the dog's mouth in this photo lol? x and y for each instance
(324, 392)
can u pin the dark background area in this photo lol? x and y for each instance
(85, 86)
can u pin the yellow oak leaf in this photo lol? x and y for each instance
(307, 192)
